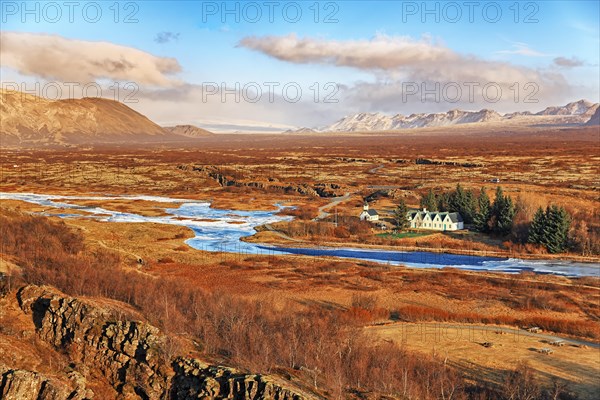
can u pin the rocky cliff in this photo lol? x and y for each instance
(133, 356)
(18, 384)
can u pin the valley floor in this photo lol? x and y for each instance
(307, 172)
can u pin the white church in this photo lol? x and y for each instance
(368, 215)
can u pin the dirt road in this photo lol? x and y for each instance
(334, 202)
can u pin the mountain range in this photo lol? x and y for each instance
(28, 120)
(579, 112)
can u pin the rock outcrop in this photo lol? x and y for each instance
(196, 380)
(133, 356)
(17, 384)
(224, 180)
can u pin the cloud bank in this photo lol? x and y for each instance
(395, 55)
(70, 60)
(394, 60)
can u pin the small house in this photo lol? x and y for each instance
(436, 221)
(368, 214)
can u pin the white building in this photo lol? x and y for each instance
(368, 215)
(437, 221)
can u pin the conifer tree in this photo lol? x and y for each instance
(456, 199)
(503, 211)
(463, 202)
(551, 229)
(536, 230)
(443, 202)
(556, 229)
(400, 216)
(484, 210)
(429, 201)
(469, 209)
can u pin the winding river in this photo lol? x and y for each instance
(221, 230)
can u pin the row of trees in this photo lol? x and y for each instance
(478, 210)
(549, 228)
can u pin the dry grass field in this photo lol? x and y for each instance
(545, 166)
(538, 166)
(462, 346)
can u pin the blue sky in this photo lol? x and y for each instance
(552, 43)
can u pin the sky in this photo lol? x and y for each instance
(272, 65)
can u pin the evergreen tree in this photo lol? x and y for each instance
(429, 201)
(536, 230)
(456, 199)
(400, 216)
(469, 209)
(556, 232)
(551, 229)
(506, 216)
(443, 202)
(484, 210)
(463, 202)
(503, 212)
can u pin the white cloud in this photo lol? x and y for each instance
(70, 60)
(396, 59)
(398, 56)
(523, 49)
(382, 52)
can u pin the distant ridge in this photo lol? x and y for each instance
(378, 121)
(581, 107)
(190, 131)
(595, 119)
(578, 113)
(29, 120)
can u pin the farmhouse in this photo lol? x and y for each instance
(368, 215)
(437, 221)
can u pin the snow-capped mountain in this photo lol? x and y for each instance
(383, 122)
(362, 121)
(581, 107)
(578, 112)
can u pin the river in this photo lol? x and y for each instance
(221, 230)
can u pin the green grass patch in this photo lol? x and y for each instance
(404, 235)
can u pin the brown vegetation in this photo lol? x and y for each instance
(252, 334)
(326, 346)
(313, 322)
